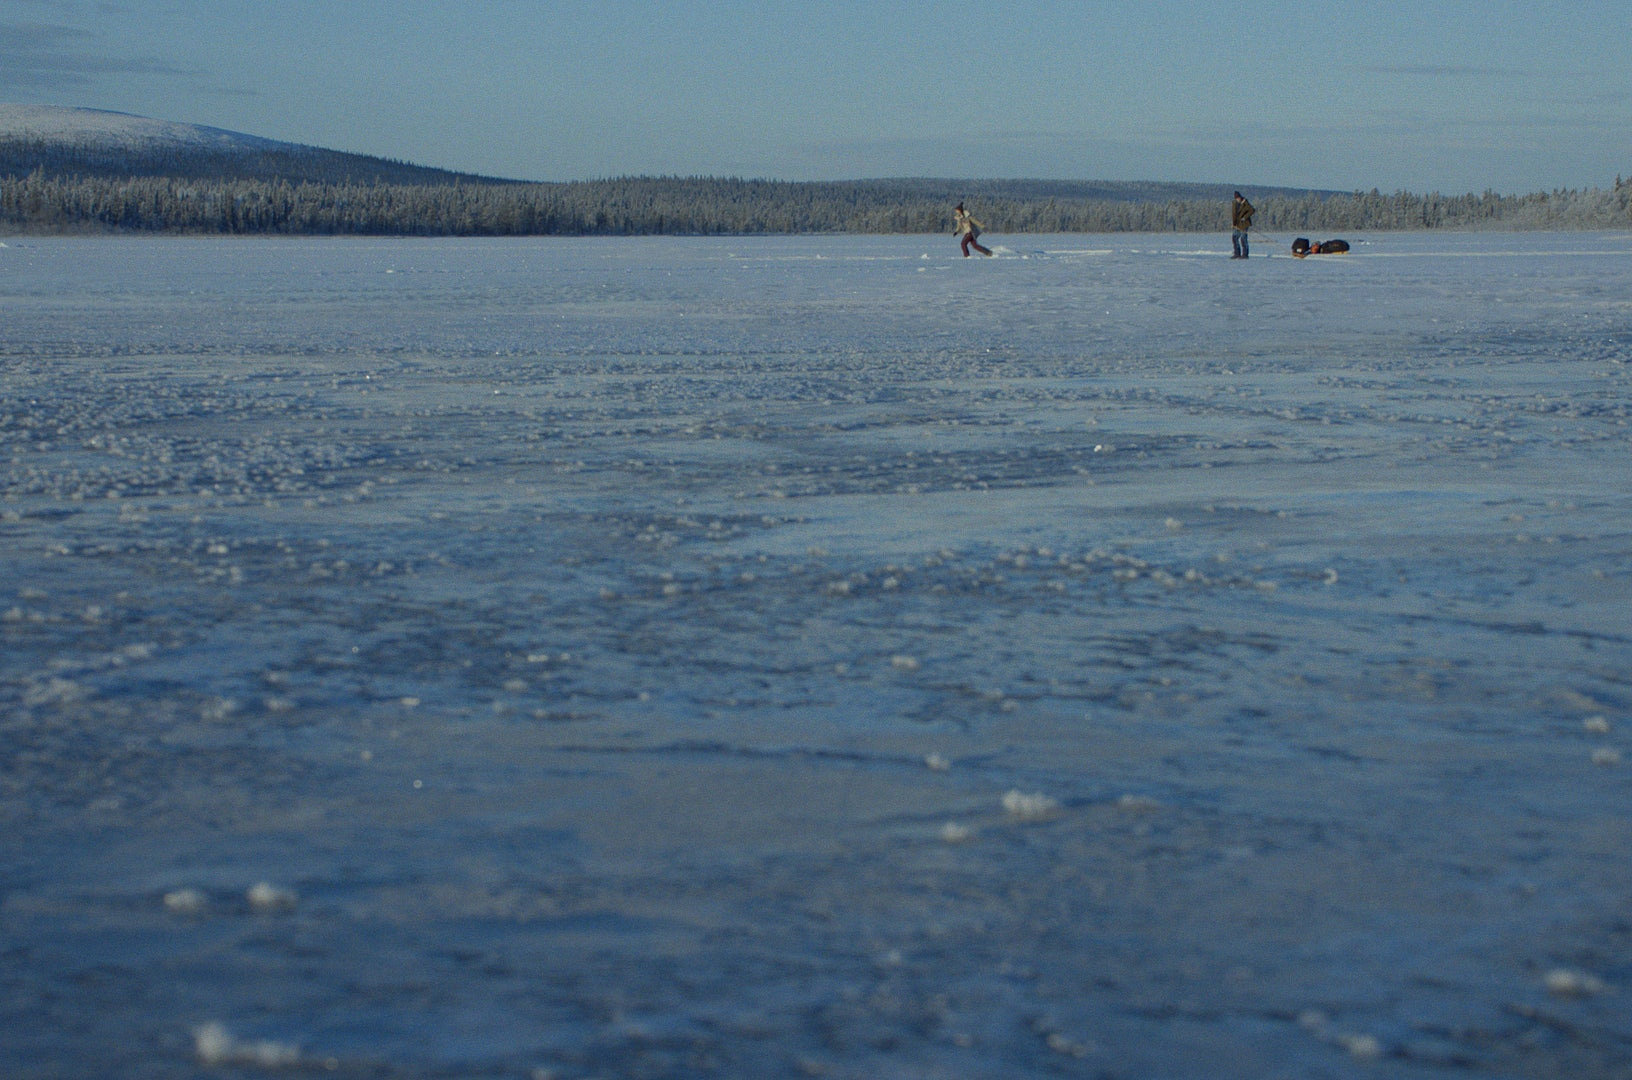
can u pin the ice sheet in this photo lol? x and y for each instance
(816, 656)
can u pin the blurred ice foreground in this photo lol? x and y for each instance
(816, 656)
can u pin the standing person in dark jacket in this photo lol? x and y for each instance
(1240, 222)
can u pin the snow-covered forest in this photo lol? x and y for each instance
(44, 202)
(79, 170)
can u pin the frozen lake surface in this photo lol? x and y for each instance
(816, 657)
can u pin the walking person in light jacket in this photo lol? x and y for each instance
(969, 229)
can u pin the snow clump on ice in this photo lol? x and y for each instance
(1364, 1047)
(185, 901)
(1032, 807)
(214, 1045)
(1567, 982)
(266, 897)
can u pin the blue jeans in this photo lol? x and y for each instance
(1238, 240)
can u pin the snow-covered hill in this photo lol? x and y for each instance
(57, 125)
(96, 142)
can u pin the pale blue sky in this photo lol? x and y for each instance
(1455, 96)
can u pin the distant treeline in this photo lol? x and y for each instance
(45, 202)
